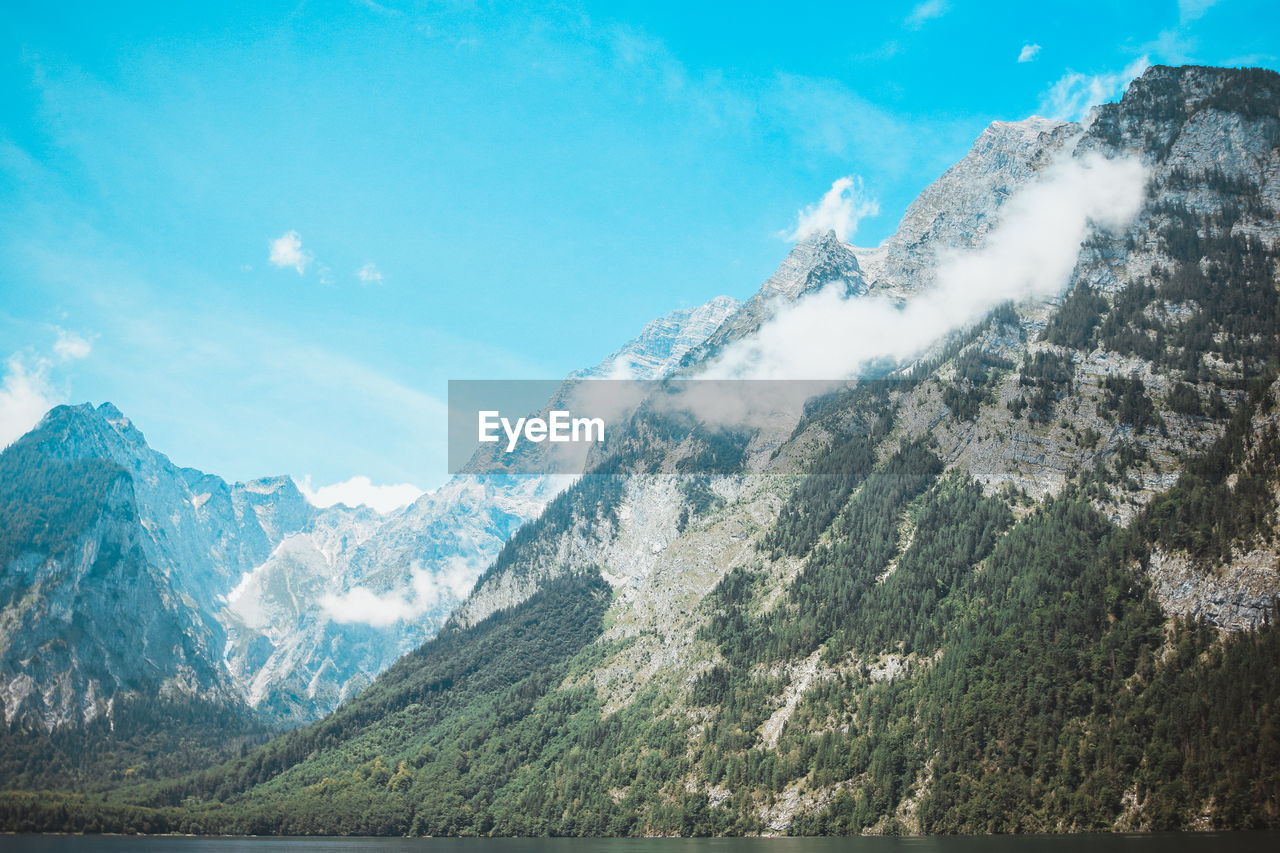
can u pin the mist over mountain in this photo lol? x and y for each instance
(1022, 578)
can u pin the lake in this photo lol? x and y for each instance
(1237, 842)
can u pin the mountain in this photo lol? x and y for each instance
(817, 261)
(127, 578)
(108, 540)
(1023, 583)
(328, 611)
(661, 345)
(958, 210)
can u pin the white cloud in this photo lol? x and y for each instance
(369, 274)
(840, 210)
(426, 591)
(287, 251)
(25, 395)
(1028, 52)
(29, 389)
(70, 346)
(1071, 97)
(927, 11)
(1029, 255)
(360, 491)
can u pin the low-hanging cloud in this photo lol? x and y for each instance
(840, 210)
(360, 491)
(426, 591)
(1029, 255)
(26, 393)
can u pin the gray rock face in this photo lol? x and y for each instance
(177, 581)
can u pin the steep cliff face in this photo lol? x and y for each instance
(87, 615)
(1121, 380)
(336, 605)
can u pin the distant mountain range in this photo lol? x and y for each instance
(127, 575)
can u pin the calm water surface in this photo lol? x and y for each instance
(1236, 842)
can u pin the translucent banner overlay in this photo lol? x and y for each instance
(543, 427)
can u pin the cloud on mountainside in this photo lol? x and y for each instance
(1030, 254)
(841, 209)
(426, 591)
(360, 491)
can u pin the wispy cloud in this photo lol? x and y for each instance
(380, 8)
(70, 346)
(927, 11)
(286, 251)
(840, 210)
(826, 116)
(1173, 46)
(1074, 93)
(1189, 10)
(25, 395)
(369, 274)
(1028, 52)
(1029, 255)
(360, 491)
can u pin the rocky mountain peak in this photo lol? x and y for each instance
(85, 431)
(281, 486)
(817, 260)
(1166, 104)
(958, 209)
(664, 342)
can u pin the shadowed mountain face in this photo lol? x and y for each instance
(1024, 583)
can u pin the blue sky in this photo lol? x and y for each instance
(271, 234)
